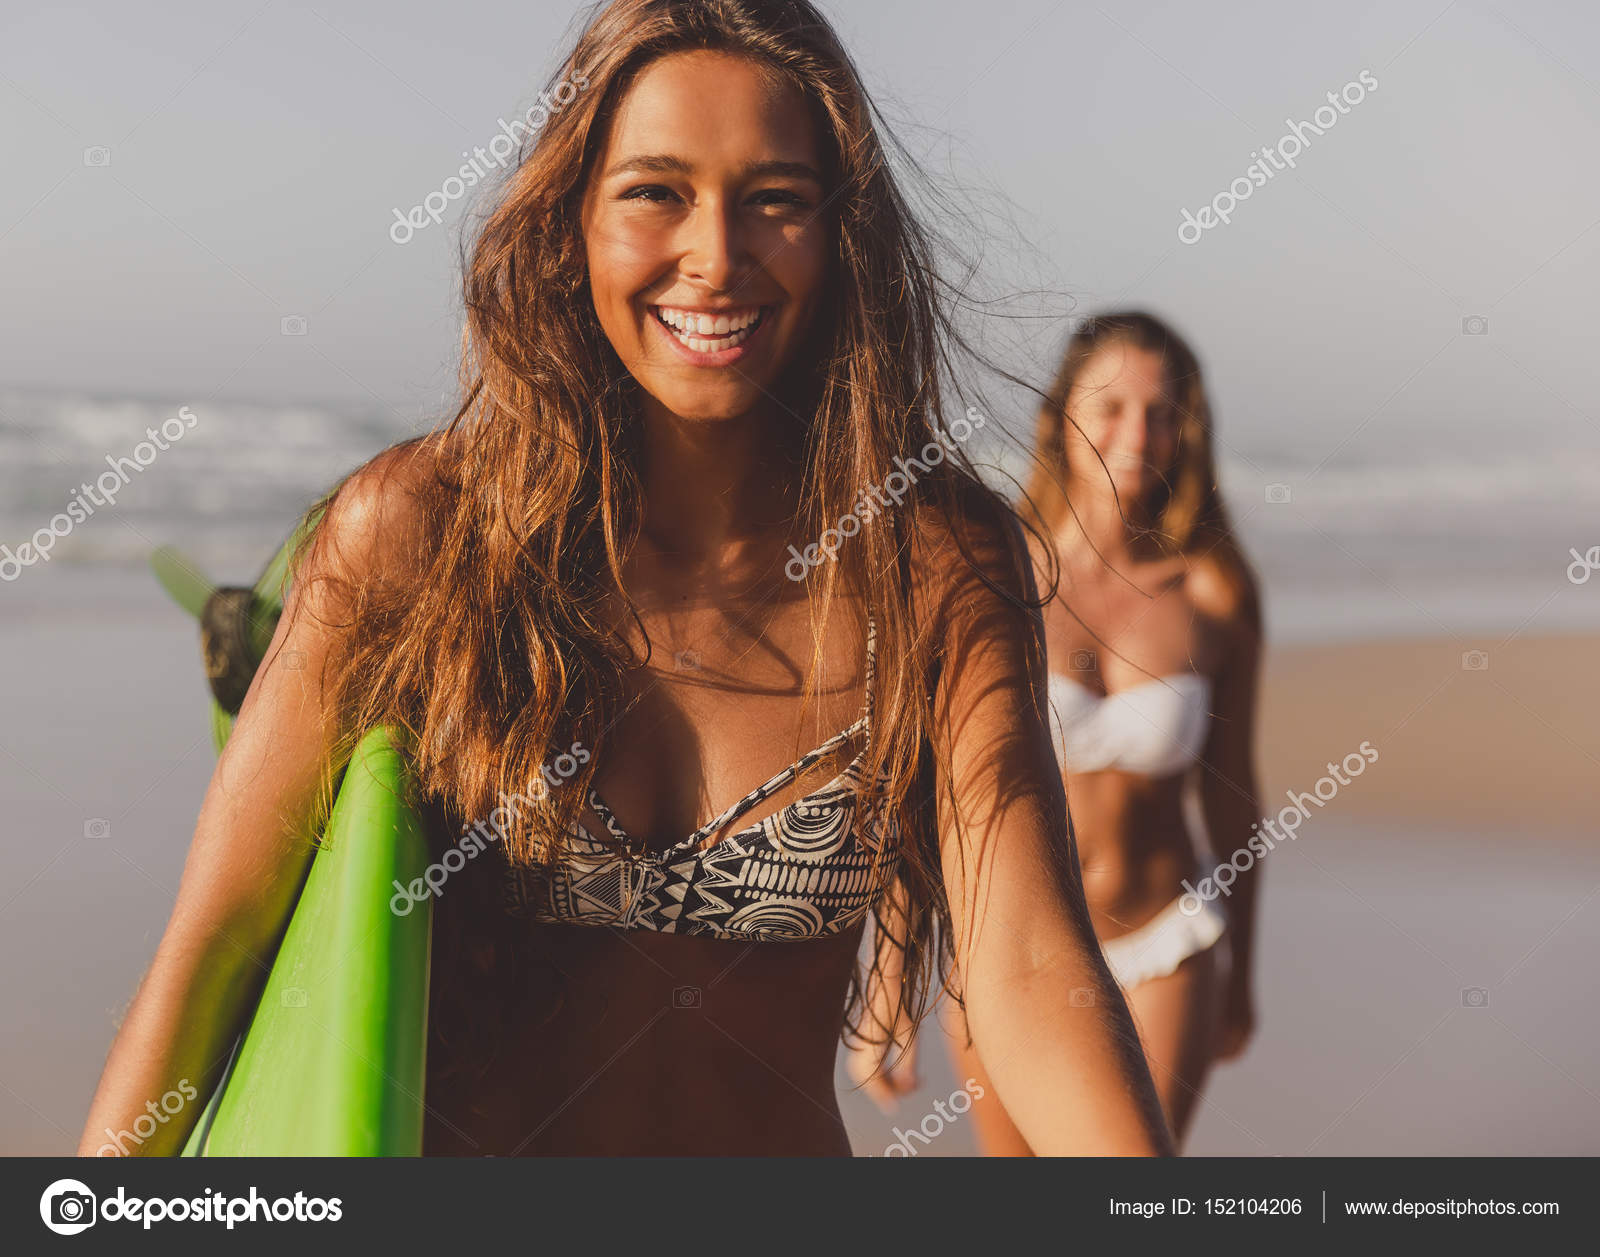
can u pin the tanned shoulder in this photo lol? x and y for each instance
(1224, 590)
(379, 525)
(971, 563)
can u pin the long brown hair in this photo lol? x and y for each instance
(1187, 514)
(495, 655)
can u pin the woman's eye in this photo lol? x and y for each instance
(652, 192)
(780, 197)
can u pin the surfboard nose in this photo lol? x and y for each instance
(182, 578)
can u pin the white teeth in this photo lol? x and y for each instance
(693, 330)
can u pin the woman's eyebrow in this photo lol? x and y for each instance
(650, 164)
(782, 169)
(666, 164)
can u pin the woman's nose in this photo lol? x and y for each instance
(712, 248)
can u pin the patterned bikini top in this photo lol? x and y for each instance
(804, 872)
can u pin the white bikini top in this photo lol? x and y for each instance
(1156, 728)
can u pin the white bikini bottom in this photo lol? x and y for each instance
(1158, 947)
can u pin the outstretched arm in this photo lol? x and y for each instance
(1045, 1015)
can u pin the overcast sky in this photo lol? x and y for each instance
(255, 154)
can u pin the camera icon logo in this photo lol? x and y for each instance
(97, 827)
(67, 1207)
(292, 325)
(686, 997)
(689, 660)
(1474, 997)
(1475, 325)
(1474, 661)
(98, 155)
(294, 660)
(1279, 493)
(1081, 661)
(293, 997)
(1081, 997)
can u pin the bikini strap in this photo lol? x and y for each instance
(612, 824)
(781, 779)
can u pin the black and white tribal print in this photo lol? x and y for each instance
(804, 872)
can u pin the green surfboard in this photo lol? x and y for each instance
(333, 1061)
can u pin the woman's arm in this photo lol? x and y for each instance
(1229, 798)
(1045, 1015)
(245, 865)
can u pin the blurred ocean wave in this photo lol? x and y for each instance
(1429, 542)
(228, 490)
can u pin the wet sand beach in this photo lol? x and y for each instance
(1462, 862)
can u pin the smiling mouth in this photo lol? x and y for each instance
(709, 332)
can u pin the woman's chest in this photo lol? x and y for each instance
(1112, 634)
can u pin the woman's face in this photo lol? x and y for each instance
(1122, 404)
(707, 249)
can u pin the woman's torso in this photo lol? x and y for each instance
(1132, 661)
(627, 1043)
(637, 1040)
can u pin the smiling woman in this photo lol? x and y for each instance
(671, 232)
(699, 321)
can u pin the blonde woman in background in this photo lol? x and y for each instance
(1154, 637)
